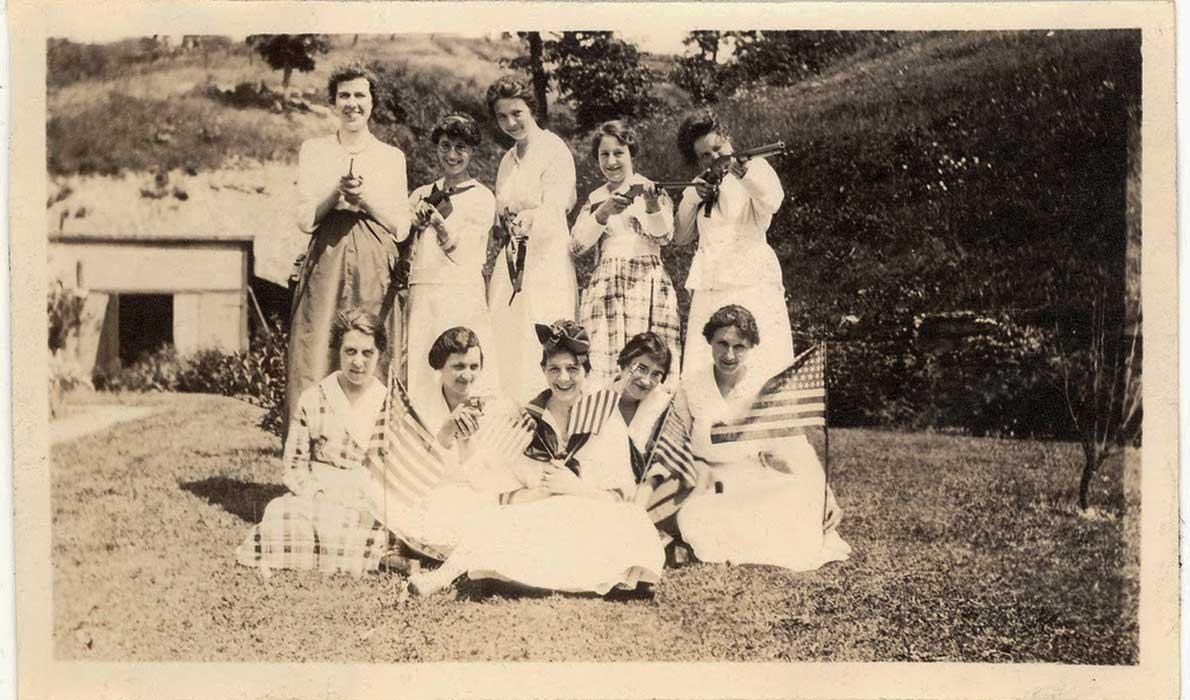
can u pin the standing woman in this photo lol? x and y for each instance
(629, 292)
(452, 218)
(535, 186)
(352, 199)
(734, 263)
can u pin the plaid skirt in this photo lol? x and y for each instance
(305, 533)
(617, 304)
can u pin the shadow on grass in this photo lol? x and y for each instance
(472, 590)
(243, 499)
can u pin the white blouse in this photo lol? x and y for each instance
(632, 233)
(469, 224)
(543, 180)
(323, 160)
(733, 249)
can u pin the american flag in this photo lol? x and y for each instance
(788, 403)
(671, 454)
(405, 461)
(503, 437)
(588, 415)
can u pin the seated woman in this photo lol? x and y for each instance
(644, 366)
(326, 520)
(755, 502)
(568, 527)
(479, 434)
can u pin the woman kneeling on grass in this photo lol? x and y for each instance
(755, 502)
(326, 520)
(569, 528)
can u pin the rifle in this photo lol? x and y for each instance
(514, 250)
(717, 170)
(638, 190)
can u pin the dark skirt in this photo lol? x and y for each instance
(350, 262)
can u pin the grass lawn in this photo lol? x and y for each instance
(965, 550)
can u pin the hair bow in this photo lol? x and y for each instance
(567, 334)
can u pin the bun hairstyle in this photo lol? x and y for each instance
(621, 131)
(733, 315)
(696, 125)
(509, 87)
(457, 126)
(453, 340)
(647, 344)
(357, 319)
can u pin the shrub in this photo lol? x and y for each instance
(155, 370)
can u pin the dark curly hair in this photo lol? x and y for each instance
(621, 131)
(457, 126)
(357, 319)
(696, 125)
(453, 340)
(510, 87)
(350, 71)
(647, 344)
(733, 315)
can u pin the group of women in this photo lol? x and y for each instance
(545, 404)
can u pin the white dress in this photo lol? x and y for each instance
(543, 180)
(734, 264)
(762, 516)
(569, 543)
(445, 292)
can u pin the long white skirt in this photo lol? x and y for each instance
(550, 292)
(563, 543)
(763, 517)
(434, 308)
(767, 304)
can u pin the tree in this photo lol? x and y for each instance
(541, 79)
(600, 75)
(287, 52)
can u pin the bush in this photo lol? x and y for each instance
(257, 376)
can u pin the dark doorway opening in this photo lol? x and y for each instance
(146, 323)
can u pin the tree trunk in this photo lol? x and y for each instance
(355, 40)
(1090, 462)
(285, 77)
(540, 83)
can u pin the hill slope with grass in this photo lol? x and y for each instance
(976, 172)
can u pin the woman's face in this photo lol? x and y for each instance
(730, 350)
(565, 376)
(642, 375)
(515, 118)
(353, 99)
(615, 160)
(454, 156)
(358, 356)
(710, 146)
(460, 373)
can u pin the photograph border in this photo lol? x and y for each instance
(41, 676)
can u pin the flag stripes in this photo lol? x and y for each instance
(405, 460)
(588, 415)
(671, 452)
(789, 402)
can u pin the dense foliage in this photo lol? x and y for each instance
(289, 52)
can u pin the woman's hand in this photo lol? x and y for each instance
(610, 207)
(522, 224)
(559, 480)
(703, 189)
(738, 167)
(462, 423)
(652, 198)
(353, 191)
(775, 462)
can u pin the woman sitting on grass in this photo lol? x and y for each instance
(326, 520)
(481, 435)
(568, 527)
(756, 502)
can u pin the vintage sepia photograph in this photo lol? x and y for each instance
(620, 342)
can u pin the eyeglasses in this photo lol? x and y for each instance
(640, 371)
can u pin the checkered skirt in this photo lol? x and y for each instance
(615, 306)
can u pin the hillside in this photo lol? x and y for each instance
(975, 172)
